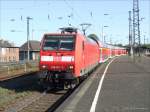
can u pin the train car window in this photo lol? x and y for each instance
(59, 43)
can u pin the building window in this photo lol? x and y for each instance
(14, 58)
(9, 50)
(0, 51)
(9, 58)
(5, 59)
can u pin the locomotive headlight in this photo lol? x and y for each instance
(71, 67)
(43, 66)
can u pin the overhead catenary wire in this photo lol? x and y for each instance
(78, 16)
(74, 12)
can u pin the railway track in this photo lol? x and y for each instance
(48, 101)
(40, 101)
(4, 78)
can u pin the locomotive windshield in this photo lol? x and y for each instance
(58, 43)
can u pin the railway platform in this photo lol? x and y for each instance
(120, 85)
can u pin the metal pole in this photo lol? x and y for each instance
(84, 31)
(32, 33)
(136, 27)
(28, 37)
(28, 48)
(130, 35)
(144, 39)
(104, 39)
(102, 34)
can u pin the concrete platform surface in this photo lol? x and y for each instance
(125, 88)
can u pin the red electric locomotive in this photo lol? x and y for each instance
(67, 56)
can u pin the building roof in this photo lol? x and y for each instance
(5, 44)
(34, 45)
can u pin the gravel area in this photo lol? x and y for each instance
(8, 97)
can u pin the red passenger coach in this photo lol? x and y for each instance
(109, 51)
(67, 56)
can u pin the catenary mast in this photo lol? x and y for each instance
(136, 28)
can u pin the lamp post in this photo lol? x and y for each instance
(103, 36)
(28, 19)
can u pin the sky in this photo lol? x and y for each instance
(50, 15)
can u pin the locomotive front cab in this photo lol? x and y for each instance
(57, 56)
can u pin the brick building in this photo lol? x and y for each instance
(8, 53)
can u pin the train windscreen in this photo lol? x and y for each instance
(59, 43)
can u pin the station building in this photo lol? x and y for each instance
(34, 50)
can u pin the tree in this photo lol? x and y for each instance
(146, 46)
